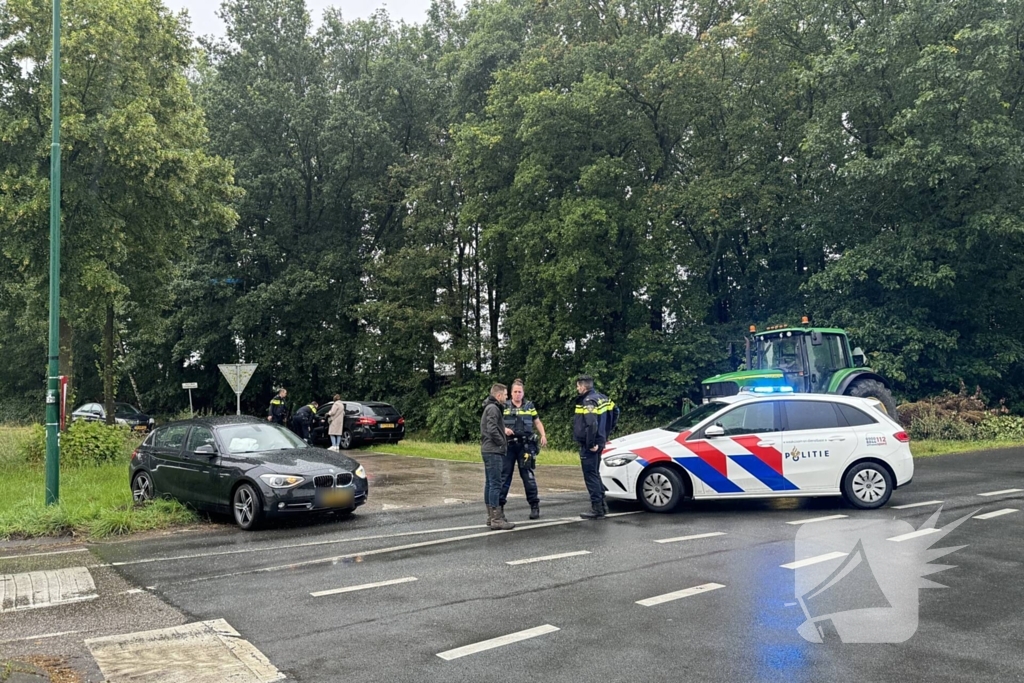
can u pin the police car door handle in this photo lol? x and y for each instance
(767, 444)
(837, 438)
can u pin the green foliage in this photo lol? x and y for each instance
(82, 444)
(931, 425)
(1002, 428)
(454, 414)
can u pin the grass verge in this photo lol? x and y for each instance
(468, 452)
(95, 501)
(928, 447)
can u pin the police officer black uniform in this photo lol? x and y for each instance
(278, 412)
(596, 416)
(521, 427)
(302, 420)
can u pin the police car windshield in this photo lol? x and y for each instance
(694, 417)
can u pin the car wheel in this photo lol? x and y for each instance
(346, 440)
(142, 487)
(872, 388)
(867, 485)
(245, 505)
(660, 489)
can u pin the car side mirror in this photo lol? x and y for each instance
(714, 430)
(206, 449)
(858, 357)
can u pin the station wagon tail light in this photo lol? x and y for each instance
(367, 421)
(902, 437)
(401, 420)
(135, 454)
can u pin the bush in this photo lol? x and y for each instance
(84, 443)
(931, 424)
(1002, 428)
(454, 415)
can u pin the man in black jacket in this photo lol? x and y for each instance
(596, 416)
(493, 444)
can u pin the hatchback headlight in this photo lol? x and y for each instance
(620, 460)
(360, 472)
(281, 481)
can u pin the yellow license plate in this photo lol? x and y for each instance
(387, 425)
(140, 428)
(337, 499)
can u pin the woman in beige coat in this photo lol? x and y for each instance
(336, 422)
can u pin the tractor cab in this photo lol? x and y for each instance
(802, 359)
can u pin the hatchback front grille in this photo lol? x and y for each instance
(324, 481)
(344, 479)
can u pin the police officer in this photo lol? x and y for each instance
(278, 410)
(520, 418)
(303, 418)
(595, 419)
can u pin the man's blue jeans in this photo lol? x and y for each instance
(493, 465)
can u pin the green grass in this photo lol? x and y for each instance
(467, 452)
(927, 447)
(470, 452)
(95, 501)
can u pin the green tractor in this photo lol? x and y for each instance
(802, 359)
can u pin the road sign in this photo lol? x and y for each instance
(190, 385)
(238, 375)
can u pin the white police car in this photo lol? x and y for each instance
(760, 446)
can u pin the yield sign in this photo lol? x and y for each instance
(238, 375)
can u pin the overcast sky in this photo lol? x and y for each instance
(205, 20)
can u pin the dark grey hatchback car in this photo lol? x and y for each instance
(248, 467)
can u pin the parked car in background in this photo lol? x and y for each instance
(365, 422)
(246, 466)
(124, 414)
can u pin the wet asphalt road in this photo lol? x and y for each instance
(464, 592)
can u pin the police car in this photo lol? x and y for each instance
(759, 446)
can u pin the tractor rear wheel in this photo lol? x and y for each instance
(872, 388)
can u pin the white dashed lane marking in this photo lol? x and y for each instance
(813, 560)
(497, 642)
(917, 505)
(364, 586)
(1001, 493)
(690, 538)
(913, 534)
(52, 552)
(32, 590)
(559, 556)
(669, 597)
(817, 519)
(202, 652)
(997, 513)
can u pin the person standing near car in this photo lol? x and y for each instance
(595, 419)
(336, 422)
(303, 419)
(520, 418)
(493, 445)
(278, 409)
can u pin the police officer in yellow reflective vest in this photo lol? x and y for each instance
(278, 409)
(303, 418)
(520, 417)
(596, 416)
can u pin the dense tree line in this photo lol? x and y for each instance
(515, 188)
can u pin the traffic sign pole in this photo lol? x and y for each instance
(238, 375)
(190, 386)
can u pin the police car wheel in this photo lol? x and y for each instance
(867, 486)
(660, 489)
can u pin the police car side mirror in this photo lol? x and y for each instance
(713, 431)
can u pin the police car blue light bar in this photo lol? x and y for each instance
(769, 389)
